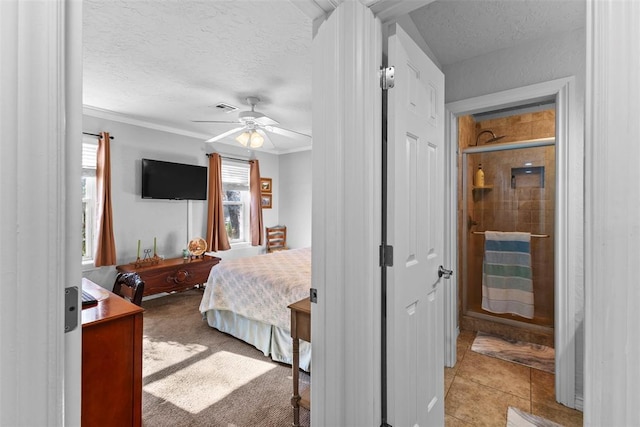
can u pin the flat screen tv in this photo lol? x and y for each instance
(174, 181)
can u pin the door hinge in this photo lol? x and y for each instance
(313, 295)
(71, 308)
(387, 75)
(386, 256)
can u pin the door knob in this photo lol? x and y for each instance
(443, 272)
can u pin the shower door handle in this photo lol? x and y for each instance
(443, 272)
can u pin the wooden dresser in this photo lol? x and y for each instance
(172, 275)
(111, 360)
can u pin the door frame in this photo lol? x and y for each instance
(40, 256)
(566, 234)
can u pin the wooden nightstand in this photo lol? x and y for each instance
(300, 330)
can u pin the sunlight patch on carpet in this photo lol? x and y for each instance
(199, 391)
(159, 355)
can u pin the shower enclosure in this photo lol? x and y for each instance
(518, 194)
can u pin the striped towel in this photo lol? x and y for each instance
(506, 273)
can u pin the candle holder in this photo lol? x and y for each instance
(147, 260)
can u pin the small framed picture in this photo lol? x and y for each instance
(266, 201)
(265, 185)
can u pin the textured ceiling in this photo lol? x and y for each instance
(460, 29)
(168, 62)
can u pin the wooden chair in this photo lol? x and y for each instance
(276, 237)
(130, 287)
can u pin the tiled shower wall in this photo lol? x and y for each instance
(523, 127)
(527, 207)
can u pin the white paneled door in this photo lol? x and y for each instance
(416, 231)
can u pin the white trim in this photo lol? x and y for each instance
(72, 172)
(579, 403)
(385, 10)
(451, 327)
(315, 9)
(347, 123)
(567, 234)
(508, 98)
(294, 150)
(101, 113)
(39, 56)
(389, 10)
(612, 209)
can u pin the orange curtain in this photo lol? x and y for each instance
(256, 203)
(217, 239)
(106, 244)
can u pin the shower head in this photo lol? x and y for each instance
(493, 138)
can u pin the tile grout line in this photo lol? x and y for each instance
(530, 390)
(494, 389)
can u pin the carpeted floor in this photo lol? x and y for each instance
(194, 375)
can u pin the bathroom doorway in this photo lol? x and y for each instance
(559, 93)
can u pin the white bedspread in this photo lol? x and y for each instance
(260, 287)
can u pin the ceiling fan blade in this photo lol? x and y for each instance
(266, 138)
(265, 121)
(222, 135)
(286, 132)
(215, 121)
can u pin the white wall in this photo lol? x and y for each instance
(294, 188)
(553, 57)
(136, 218)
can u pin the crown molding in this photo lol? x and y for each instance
(385, 10)
(388, 10)
(123, 118)
(315, 9)
(295, 150)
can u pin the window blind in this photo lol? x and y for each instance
(235, 176)
(89, 154)
(89, 158)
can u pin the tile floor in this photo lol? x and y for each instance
(479, 390)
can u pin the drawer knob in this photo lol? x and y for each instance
(181, 276)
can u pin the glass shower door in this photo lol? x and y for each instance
(518, 194)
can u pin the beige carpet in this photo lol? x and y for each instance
(194, 375)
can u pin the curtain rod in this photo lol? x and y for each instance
(95, 134)
(230, 158)
(533, 235)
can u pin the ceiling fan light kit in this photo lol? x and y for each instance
(251, 138)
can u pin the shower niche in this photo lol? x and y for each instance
(527, 177)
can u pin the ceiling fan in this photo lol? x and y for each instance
(253, 127)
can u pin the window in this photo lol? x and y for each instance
(236, 200)
(89, 195)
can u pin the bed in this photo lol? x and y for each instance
(248, 298)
